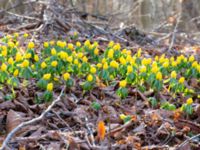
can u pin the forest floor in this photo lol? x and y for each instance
(100, 89)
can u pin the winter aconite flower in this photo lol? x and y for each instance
(43, 65)
(114, 64)
(181, 80)
(16, 72)
(93, 70)
(173, 74)
(110, 53)
(191, 58)
(46, 44)
(53, 51)
(129, 69)
(50, 87)
(10, 61)
(189, 101)
(31, 45)
(159, 76)
(18, 57)
(3, 67)
(25, 63)
(54, 63)
(122, 83)
(47, 76)
(36, 58)
(90, 78)
(66, 76)
(143, 69)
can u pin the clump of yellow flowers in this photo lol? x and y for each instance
(63, 62)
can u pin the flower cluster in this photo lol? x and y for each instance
(61, 63)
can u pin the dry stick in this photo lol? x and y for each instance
(23, 124)
(174, 33)
(190, 139)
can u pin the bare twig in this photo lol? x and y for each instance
(20, 126)
(190, 139)
(174, 33)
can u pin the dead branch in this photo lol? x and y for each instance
(20, 126)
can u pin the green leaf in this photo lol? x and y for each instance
(96, 106)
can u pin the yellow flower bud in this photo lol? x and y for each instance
(43, 65)
(47, 76)
(122, 83)
(129, 69)
(54, 63)
(173, 74)
(182, 80)
(93, 70)
(110, 53)
(16, 72)
(3, 67)
(49, 87)
(25, 63)
(53, 51)
(10, 61)
(159, 76)
(31, 45)
(70, 46)
(105, 65)
(89, 78)
(114, 64)
(78, 44)
(46, 44)
(66, 76)
(143, 69)
(36, 58)
(189, 101)
(18, 57)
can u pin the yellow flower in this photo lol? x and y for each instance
(99, 65)
(128, 58)
(144, 62)
(129, 69)
(76, 61)
(105, 65)
(11, 44)
(3, 67)
(122, 60)
(171, 59)
(49, 87)
(87, 43)
(63, 44)
(18, 57)
(43, 65)
(4, 53)
(122, 83)
(93, 70)
(166, 64)
(159, 76)
(78, 44)
(181, 80)
(174, 63)
(96, 51)
(53, 51)
(194, 64)
(110, 53)
(110, 44)
(63, 55)
(85, 59)
(103, 60)
(122, 116)
(16, 34)
(117, 47)
(80, 55)
(70, 59)
(46, 44)
(10, 61)
(139, 52)
(47, 76)
(31, 45)
(25, 35)
(189, 101)
(191, 58)
(27, 55)
(154, 69)
(66, 76)
(52, 43)
(124, 51)
(25, 63)
(36, 58)
(89, 78)
(4, 48)
(16, 72)
(173, 74)
(114, 64)
(54, 63)
(70, 46)
(143, 69)
(156, 58)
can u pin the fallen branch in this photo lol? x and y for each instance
(20, 126)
